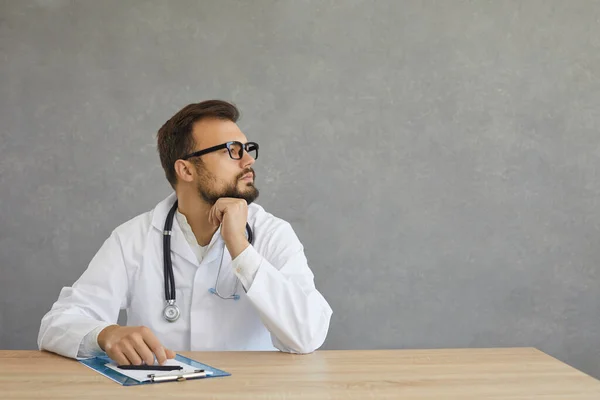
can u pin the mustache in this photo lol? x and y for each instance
(245, 171)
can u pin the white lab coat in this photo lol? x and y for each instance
(282, 309)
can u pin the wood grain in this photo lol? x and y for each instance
(521, 373)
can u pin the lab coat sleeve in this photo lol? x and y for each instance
(284, 294)
(89, 345)
(246, 265)
(92, 303)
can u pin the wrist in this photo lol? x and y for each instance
(237, 245)
(104, 335)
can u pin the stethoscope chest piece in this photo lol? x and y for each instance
(171, 311)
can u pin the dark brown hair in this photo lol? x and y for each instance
(175, 138)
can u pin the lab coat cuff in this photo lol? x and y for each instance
(246, 265)
(89, 346)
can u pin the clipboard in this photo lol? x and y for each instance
(199, 371)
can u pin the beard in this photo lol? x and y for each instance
(207, 192)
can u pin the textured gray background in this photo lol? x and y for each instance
(439, 159)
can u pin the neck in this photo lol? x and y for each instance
(196, 212)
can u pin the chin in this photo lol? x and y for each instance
(250, 194)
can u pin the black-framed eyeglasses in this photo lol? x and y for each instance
(236, 150)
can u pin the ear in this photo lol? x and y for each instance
(184, 170)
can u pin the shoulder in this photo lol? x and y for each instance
(135, 230)
(264, 221)
(137, 224)
(271, 230)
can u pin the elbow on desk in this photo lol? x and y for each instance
(298, 349)
(57, 338)
(306, 350)
(44, 326)
(310, 346)
(314, 338)
(45, 340)
(305, 344)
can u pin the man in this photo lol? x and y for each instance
(224, 292)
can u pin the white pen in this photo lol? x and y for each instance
(179, 377)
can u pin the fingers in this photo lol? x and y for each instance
(118, 357)
(160, 353)
(222, 206)
(153, 345)
(137, 345)
(215, 216)
(140, 346)
(130, 352)
(116, 351)
(170, 353)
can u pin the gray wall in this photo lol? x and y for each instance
(439, 159)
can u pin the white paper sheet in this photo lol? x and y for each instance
(141, 376)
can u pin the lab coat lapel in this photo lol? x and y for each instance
(179, 245)
(216, 248)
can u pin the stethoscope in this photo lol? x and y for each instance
(171, 311)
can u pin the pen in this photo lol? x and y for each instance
(199, 373)
(145, 367)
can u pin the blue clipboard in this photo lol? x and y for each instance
(98, 364)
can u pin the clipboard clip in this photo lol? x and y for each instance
(199, 373)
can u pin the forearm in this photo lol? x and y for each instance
(63, 332)
(296, 314)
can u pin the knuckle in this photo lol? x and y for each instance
(156, 347)
(144, 330)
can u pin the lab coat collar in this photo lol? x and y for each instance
(179, 244)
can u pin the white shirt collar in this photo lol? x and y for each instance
(199, 251)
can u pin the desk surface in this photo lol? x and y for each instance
(523, 373)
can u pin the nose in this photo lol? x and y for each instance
(246, 160)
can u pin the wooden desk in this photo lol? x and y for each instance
(403, 374)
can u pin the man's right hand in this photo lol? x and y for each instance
(132, 345)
